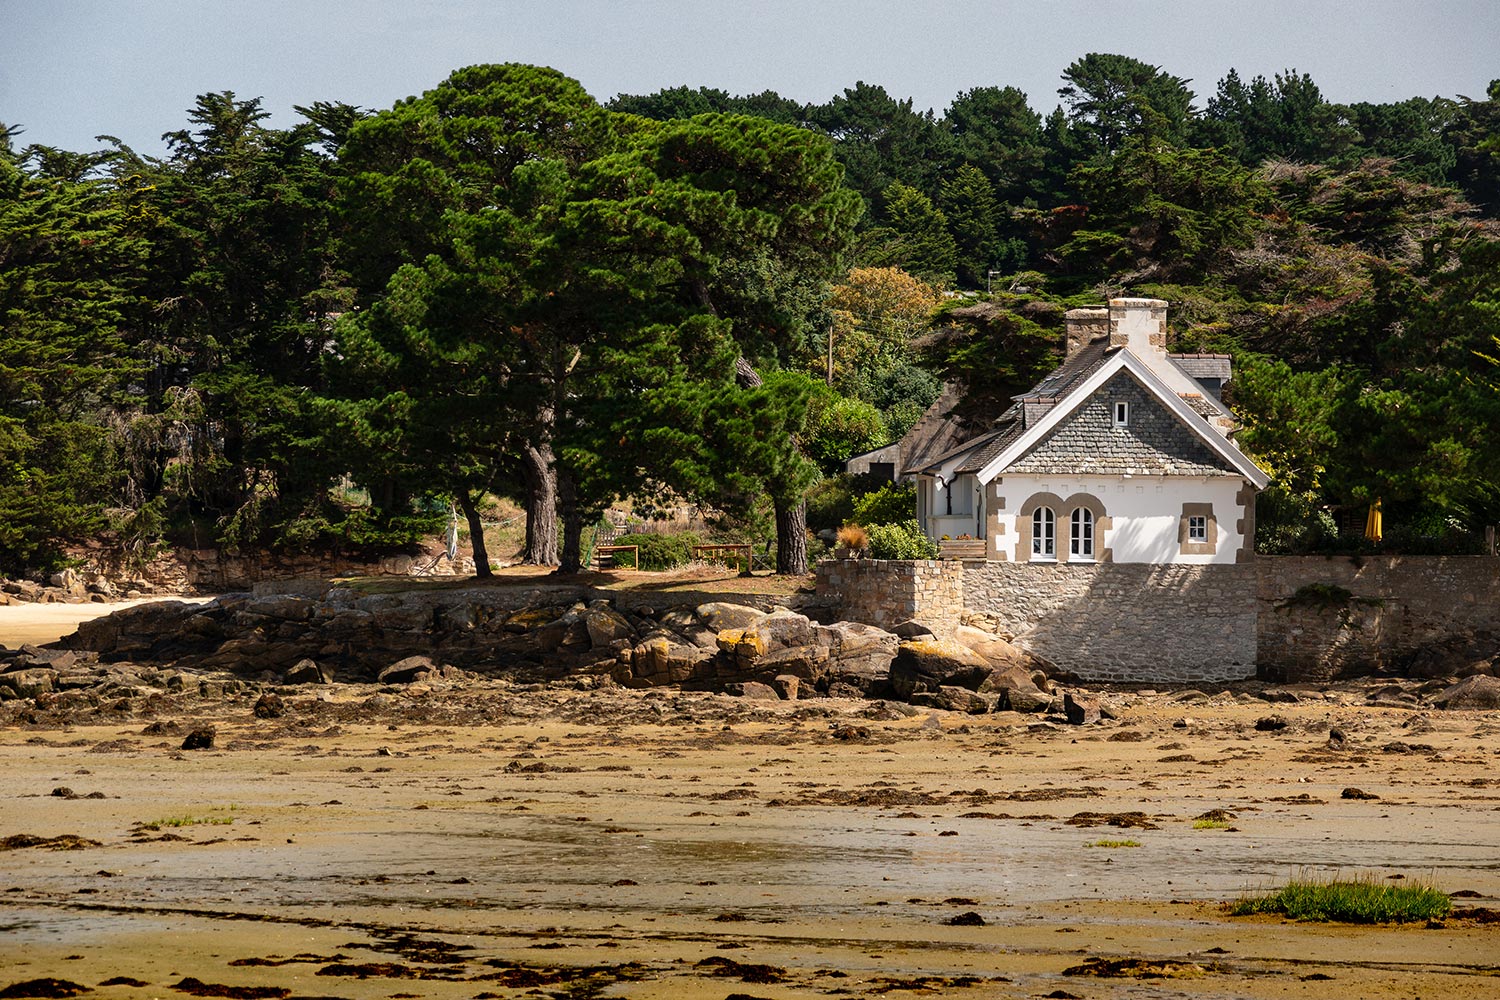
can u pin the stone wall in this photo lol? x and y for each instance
(1322, 617)
(1123, 622)
(1290, 618)
(886, 592)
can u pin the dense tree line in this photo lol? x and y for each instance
(322, 335)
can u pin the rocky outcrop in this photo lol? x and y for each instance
(537, 633)
(541, 633)
(1479, 691)
(929, 670)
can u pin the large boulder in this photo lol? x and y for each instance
(955, 699)
(750, 646)
(1080, 709)
(720, 615)
(996, 650)
(605, 627)
(1456, 656)
(1016, 690)
(306, 671)
(28, 683)
(412, 668)
(859, 660)
(1477, 692)
(931, 663)
(664, 657)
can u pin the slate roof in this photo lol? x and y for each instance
(1030, 406)
(928, 440)
(1157, 442)
(1203, 365)
(1154, 441)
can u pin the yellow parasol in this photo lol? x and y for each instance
(1373, 527)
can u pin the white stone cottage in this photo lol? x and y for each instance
(1123, 455)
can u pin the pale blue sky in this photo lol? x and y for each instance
(72, 69)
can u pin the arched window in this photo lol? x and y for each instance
(1043, 533)
(1081, 543)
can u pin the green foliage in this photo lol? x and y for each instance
(902, 540)
(1363, 900)
(527, 279)
(893, 503)
(830, 503)
(659, 552)
(994, 350)
(838, 427)
(915, 238)
(1114, 98)
(1161, 212)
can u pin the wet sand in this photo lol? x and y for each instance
(485, 840)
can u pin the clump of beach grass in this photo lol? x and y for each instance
(1210, 824)
(191, 820)
(1360, 900)
(1114, 843)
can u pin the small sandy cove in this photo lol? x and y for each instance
(486, 840)
(43, 623)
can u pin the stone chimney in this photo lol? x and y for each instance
(1084, 326)
(1139, 324)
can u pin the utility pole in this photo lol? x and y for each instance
(830, 352)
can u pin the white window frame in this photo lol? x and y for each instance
(1043, 534)
(1121, 413)
(1197, 528)
(1081, 533)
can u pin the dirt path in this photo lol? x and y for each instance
(659, 844)
(43, 623)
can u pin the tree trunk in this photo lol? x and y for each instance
(791, 538)
(541, 505)
(476, 534)
(572, 521)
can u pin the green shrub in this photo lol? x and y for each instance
(893, 503)
(905, 540)
(659, 551)
(1358, 901)
(831, 502)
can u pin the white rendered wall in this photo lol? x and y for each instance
(1145, 513)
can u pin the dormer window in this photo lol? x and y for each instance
(1122, 413)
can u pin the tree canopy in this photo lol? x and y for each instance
(324, 334)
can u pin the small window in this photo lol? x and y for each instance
(1122, 414)
(1197, 528)
(1082, 537)
(1043, 533)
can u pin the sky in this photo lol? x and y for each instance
(74, 69)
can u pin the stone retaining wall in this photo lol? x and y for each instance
(1320, 617)
(1290, 618)
(1125, 622)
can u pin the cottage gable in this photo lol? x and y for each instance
(1125, 453)
(1151, 441)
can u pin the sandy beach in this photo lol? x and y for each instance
(43, 623)
(497, 840)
